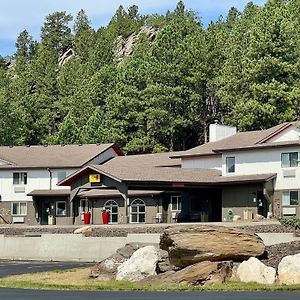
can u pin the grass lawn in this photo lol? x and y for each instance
(78, 279)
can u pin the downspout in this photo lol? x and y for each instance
(50, 177)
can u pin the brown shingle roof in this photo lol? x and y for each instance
(54, 156)
(241, 140)
(135, 173)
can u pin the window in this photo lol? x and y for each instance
(61, 175)
(230, 164)
(113, 208)
(138, 211)
(19, 208)
(176, 203)
(290, 198)
(61, 208)
(289, 160)
(19, 178)
(84, 205)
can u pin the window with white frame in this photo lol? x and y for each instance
(112, 207)
(289, 160)
(84, 205)
(290, 198)
(61, 175)
(138, 211)
(19, 209)
(230, 164)
(19, 178)
(176, 203)
(61, 209)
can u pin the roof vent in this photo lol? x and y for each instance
(62, 145)
(11, 146)
(79, 144)
(45, 145)
(28, 146)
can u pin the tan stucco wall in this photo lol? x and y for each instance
(5, 210)
(96, 217)
(278, 203)
(239, 199)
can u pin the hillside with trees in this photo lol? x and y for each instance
(77, 85)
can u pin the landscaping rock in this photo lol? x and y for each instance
(253, 270)
(109, 266)
(164, 265)
(202, 273)
(289, 270)
(83, 230)
(141, 264)
(189, 245)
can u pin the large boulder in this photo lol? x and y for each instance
(109, 266)
(189, 245)
(202, 273)
(141, 264)
(289, 270)
(253, 270)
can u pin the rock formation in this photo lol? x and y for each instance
(125, 46)
(69, 54)
(190, 245)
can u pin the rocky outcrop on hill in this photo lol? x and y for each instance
(190, 245)
(125, 46)
(68, 55)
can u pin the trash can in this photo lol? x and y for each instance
(105, 217)
(86, 217)
(51, 220)
(230, 215)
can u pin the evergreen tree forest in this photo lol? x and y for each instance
(243, 70)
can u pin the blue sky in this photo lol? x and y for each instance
(17, 15)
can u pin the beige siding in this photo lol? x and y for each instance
(30, 218)
(239, 199)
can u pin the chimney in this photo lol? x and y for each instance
(218, 131)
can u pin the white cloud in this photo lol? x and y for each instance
(17, 15)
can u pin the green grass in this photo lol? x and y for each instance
(78, 279)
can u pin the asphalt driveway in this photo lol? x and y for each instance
(8, 268)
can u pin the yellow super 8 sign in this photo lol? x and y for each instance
(94, 178)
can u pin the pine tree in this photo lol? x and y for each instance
(56, 34)
(67, 132)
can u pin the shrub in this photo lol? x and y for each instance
(290, 221)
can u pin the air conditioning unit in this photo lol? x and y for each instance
(18, 220)
(19, 189)
(289, 173)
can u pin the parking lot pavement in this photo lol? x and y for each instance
(8, 268)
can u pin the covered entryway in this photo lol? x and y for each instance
(52, 207)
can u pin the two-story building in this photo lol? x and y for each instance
(246, 174)
(29, 177)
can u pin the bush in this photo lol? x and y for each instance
(290, 221)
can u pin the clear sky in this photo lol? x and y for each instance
(17, 15)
